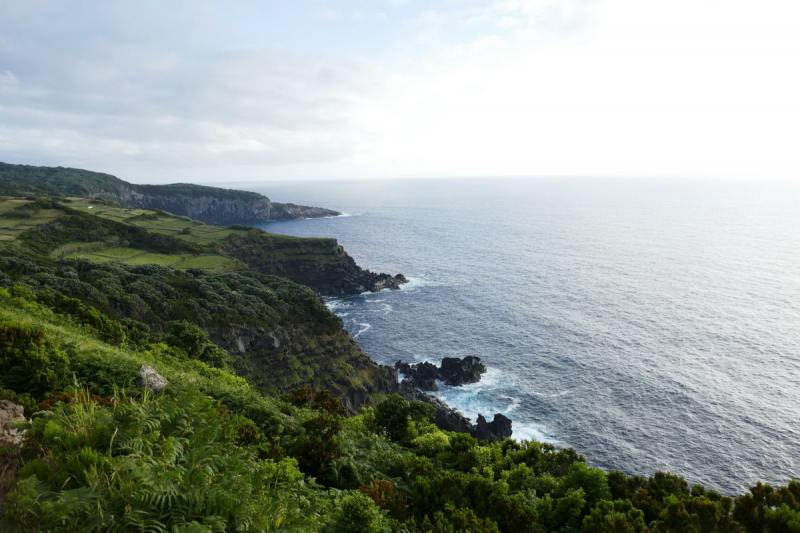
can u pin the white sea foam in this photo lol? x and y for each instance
(417, 282)
(364, 328)
(531, 432)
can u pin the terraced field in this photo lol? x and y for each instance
(158, 222)
(132, 256)
(12, 226)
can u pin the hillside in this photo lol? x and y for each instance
(93, 229)
(208, 204)
(211, 453)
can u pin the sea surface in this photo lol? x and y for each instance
(649, 325)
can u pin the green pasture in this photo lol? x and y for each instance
(132, 256)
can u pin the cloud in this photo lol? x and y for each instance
(679, 88)
(113, 94)
(445, 87)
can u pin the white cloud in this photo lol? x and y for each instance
(467, 87)
(655, 88)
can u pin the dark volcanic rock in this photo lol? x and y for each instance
(294, 211)
(456, 372)
(497, 429)
(422, 375)
(453, 371)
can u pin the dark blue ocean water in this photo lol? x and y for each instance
(649, 325)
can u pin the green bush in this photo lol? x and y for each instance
(357, 513)
(398, 417)
(28, 362)
(194, 341)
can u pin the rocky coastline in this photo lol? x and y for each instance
(454, 371)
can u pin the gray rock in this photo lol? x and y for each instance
(148, 377)
(10, 411)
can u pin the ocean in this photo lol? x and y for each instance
(650, 325)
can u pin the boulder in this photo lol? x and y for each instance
(456, 372)
(148, 377)
(496, 430)
(10, 411)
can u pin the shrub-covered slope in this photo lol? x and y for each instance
(211, 454)
(277, 333)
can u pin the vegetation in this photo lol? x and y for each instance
(61, 181)
(212, 454)
(26, 179)
(85, 228)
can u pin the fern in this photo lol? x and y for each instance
(154, 464)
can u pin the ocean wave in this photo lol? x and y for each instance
(417, 282)
(496, 392)
(365, 326)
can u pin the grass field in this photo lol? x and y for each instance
(276, 248)
(157, 222)
(11, 227)
(132, 256)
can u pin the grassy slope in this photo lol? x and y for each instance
(317, 262)
(284, 338)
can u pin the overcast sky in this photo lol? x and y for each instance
(203, 90)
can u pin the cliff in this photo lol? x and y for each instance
(319, 263)
(209, 204)
(277, 332)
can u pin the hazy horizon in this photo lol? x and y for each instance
(158, 92)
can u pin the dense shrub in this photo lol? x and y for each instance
(28, 362)
(399, 417)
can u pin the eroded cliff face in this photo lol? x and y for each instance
(320, 264)
(208, 209)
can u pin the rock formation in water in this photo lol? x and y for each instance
(453, 371)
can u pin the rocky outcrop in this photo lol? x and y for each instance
(318, 263)
(421, 375)
(448, 419)
(10, 411)
(453, 371)
(148, 377)
(384, 382)
(294, 212)
(497, 429)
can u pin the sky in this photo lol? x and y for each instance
(246, 90)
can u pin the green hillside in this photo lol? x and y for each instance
(211, 453)
(94, 229)
(29, 179)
